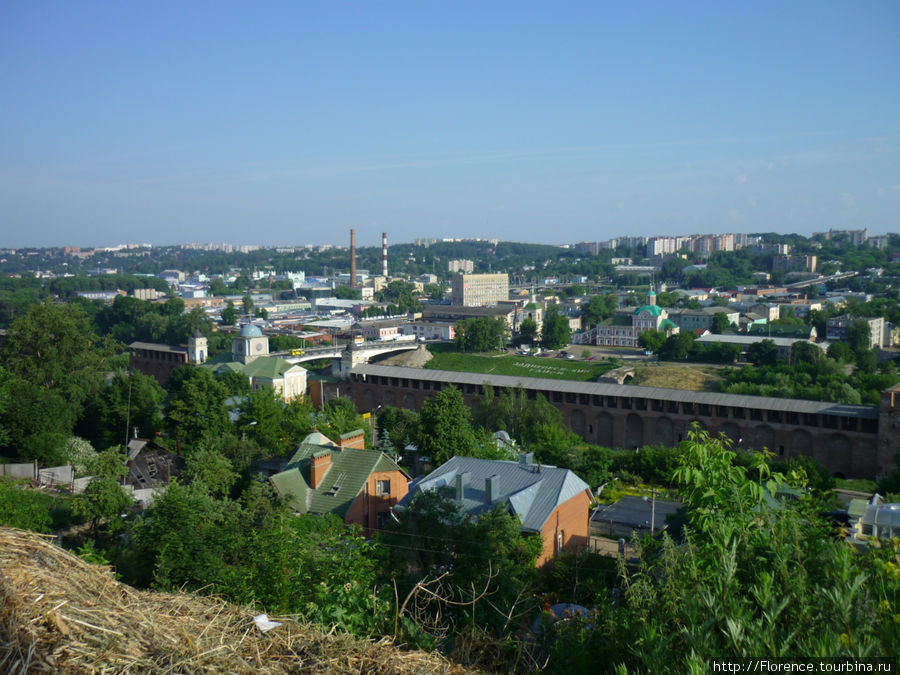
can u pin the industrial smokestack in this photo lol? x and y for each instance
(352, 258)
(384, 254)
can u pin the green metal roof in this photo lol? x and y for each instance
(617, 319)
(272, 367)
(224, 366)
(655, 310)
(349, 470)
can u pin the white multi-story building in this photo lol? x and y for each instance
(464, 266)
(479, 290)
(836, 329)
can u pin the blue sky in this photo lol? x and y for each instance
(291, 122)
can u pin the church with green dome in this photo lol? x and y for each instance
(623, 329)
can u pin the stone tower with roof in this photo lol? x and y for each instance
(198, 350)
(249, 344)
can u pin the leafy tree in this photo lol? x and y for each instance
(740, 561)
(867, 361)
(528, 331)
(763, 353)
(533, 423)
(239, 450)
(236, 384)
(715, 352)
(217, 287)
(652, 340)
(297, 420)
(229, 314)
(805, 352)
(255, 551)
(444, 427)
(80, 454)
(555, 332)
(347, 293)
(599, 308)
(54, 362)
(104, 498)
(398, 426)
(22, 507)
(720, 323)
(677, 347)
(859, 336)
(187, 539)
(667, 299)
(210, 471)
(436, 291)
(481, 334)
(197, 408)
(35, 421)
(341, 417)
(840, 351)
(130, 401)
(261, 415)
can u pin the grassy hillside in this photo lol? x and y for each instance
(522, 366)
(694, 378)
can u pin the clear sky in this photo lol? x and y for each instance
(291, 122)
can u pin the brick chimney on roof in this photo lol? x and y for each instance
(319, 464)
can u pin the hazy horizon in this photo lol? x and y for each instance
(290, 123)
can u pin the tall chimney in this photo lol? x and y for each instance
(352, 258)
(384, 254)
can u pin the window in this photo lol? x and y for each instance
(382, 488)
(559, 542)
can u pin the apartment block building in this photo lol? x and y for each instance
(836, 329)
(463, 266)
(479, 290)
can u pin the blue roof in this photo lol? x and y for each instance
(530, 491)
(249, 330)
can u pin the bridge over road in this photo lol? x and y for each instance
(346, 356)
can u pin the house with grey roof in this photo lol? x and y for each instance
(872, 519)
(548, 501)
(342, 478)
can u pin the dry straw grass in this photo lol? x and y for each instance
(61, 614)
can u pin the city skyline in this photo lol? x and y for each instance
(558, 124)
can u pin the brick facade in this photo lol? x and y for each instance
(850, 441)
(568, 525)
(371, 507)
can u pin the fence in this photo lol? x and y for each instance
(27, 470)
(57, 475)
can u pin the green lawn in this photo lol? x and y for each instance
(525, 366)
